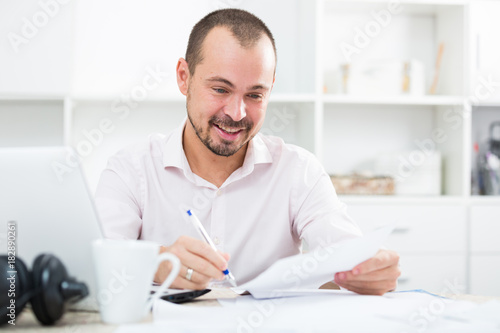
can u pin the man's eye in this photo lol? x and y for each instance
(254, 96)
(220, 90)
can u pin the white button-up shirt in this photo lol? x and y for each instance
(280, 196)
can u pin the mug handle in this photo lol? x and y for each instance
(176, 266)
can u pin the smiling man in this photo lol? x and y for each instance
(257, 197)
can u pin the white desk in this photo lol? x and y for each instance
(81, 322)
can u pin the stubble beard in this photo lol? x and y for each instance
(225, 148)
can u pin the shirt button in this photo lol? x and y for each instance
(219, 193)
(216, 241)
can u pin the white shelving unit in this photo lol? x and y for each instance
(95, 100)
(484, 221)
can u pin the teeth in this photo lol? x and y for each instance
(229, 130)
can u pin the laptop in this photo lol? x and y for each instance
(45, 193)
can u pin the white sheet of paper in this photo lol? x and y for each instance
(290, 315)
(343, 312)
(309, 271)
(487, 312)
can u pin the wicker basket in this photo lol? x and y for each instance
(363, 185)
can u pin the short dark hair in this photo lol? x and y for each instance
(245, 27)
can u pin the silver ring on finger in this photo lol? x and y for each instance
(189, 274)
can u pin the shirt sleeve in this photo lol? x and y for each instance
(117, 198)
(321, 219)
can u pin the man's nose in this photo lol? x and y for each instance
(236, 108)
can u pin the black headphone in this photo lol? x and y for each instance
(48, 287)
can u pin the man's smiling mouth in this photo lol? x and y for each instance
(229, 130)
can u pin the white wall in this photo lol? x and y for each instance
(35, 47)
(105, 47)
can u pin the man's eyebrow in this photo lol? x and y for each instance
(220, 79)
(231, 85)
(258, 87)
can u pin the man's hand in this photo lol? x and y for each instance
(206, 263)
(375, 276)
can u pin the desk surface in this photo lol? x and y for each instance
(85, 321)
(80, 321)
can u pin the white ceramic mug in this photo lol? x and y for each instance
(124, 272)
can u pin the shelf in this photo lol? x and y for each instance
(421, 7)
(416, 200)
(118, 97)
(493, 103)
(275, 98)
(32, 98)
(292, 98)
(394, 100)
(485, 200)
(398, 200)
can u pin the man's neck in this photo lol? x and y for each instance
(204, 163)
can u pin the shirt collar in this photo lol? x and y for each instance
(257, 152)
(174, 156)
(173, 152)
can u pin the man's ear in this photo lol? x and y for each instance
(183, 76)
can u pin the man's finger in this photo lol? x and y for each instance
(366, 291)
(196, 276)
(391, 272)
(383, 259)
(201, 265)
(204, 250)
(225, 255)
(182, 283)
(369, 287)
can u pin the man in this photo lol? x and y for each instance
(257, 197)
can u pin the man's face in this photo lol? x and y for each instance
(228, 94)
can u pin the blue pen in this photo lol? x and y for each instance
(197, 224)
